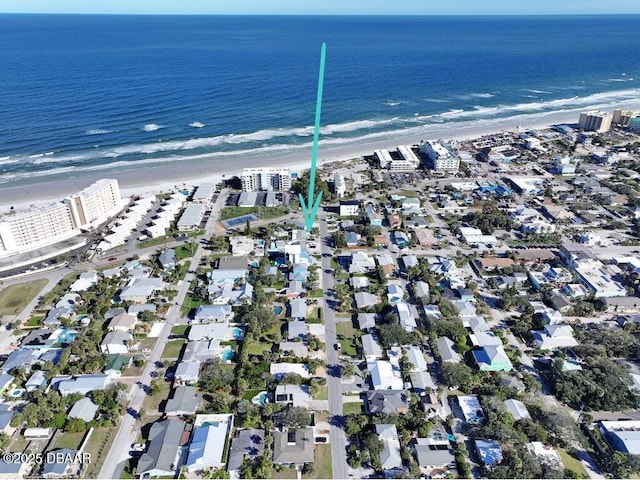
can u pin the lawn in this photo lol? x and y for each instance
(15, 298)
(249, 394)
(179, 330)
(34, 321)
(285, 473)
(317, 293)
(68, 440)
(98, 445)
(172, 349)
(351, 407)
(258, 348)
(346, 332)
(154, 242)
(152, 403)
(191, 303)
(323, 394)
(265, 213)
(322, 464)
(572, 463)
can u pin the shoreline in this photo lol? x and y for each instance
(192, 171)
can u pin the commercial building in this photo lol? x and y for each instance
(191, 217)
(254, 179)
(204, 193)
(349, 208)
(595, 121)
(440, 157)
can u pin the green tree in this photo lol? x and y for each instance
(295, 417)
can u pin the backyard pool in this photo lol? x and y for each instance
(277, 310)
(227, 354)
(237, 333)
(17, 392)
(261, 399)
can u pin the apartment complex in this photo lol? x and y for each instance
(440, 157)
(403, 159)
(48, 224)
(339, 185)
(255, 179)
(595, 121)
(622, 118)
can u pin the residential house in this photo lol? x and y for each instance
(492, 358)
(517, 409)
(208, 443)
(83, 384)
(84, 409)
(371, 348)
(361, 262)
(298, 308)
(163, 451)
(390, 455)
(247, 444)
(184, 401)
(187, 373)
(421, 290)
(36, 380)
(296, 349)
(293, 447)
(432, 406)
(116, 342)
(394, 221)
(416, 359)
(124, 322)
(295, 290)
(471, 409)
(422, 383)
(167, 259)
(447, 351)
(383, 376)
(622, 435)
(360, 282)
(280, 370)
(140, 290)
(208, 331)
(406, 316)
(116, 363)
(401, 239)
(292, 395)
(365, 300)
(431, 459)
(296, 329)
(554, 336)
(395, 293)
(61, 462)
(213, 313)
(489, 452)
(85, 281)
(366, 321)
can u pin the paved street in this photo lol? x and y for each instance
(338, 438)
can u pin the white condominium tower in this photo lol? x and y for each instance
(255, 179)
(595, 121)
(48, 224)
(96, 203)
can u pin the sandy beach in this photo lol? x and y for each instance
(190, 171)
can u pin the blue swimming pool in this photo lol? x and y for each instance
(237, 333)
(227, 354)
(277, 310)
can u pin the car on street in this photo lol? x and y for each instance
(138, 447)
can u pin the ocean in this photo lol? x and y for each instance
(106, 94)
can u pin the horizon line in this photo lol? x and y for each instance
(220, 14)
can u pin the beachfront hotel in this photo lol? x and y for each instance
(256, 179)
(595, 121)
(440, 157)
(48, 224)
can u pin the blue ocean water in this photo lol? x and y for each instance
(90, 93)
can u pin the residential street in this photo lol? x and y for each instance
(338, 438)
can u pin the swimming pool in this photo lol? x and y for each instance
(237, 333)
(277, 310)
(17, 392)
(261, 399)
(227, 354)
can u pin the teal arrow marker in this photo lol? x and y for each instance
(310, 209)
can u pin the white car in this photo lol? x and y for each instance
(138, 447)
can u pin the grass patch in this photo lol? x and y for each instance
(352, 407)
(346, 334)
(172, 349)
(179, 330)
(249, 394)
(15, 298)
(191, 303)
(67, 440)
(323, 394)
(317, 293)
(323, 467)
(152, 403)
(258, 348)
(284, 473)
(154, 242)
(98, 445)
(34, 322)
(184, 251)
(572, 463)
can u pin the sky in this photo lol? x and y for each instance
(327, 7)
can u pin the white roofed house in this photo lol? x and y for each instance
(83, 384)
(213, 313)
(84, 282)
(554, 336)
(406, 316)
(140, 290)
(123, 322)
(298, 308)
(292, 395)
(365, 300)
(361, 262)
(416, 359)
(84, 409)
(383, 376)
(371, 349)
(446, 350)
(116, 342)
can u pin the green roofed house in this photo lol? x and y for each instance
(116, 363)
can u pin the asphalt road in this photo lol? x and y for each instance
(128, 431)
(337, 435)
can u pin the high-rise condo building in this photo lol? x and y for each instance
(440, 157)
(595, 121)
(273, 178)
